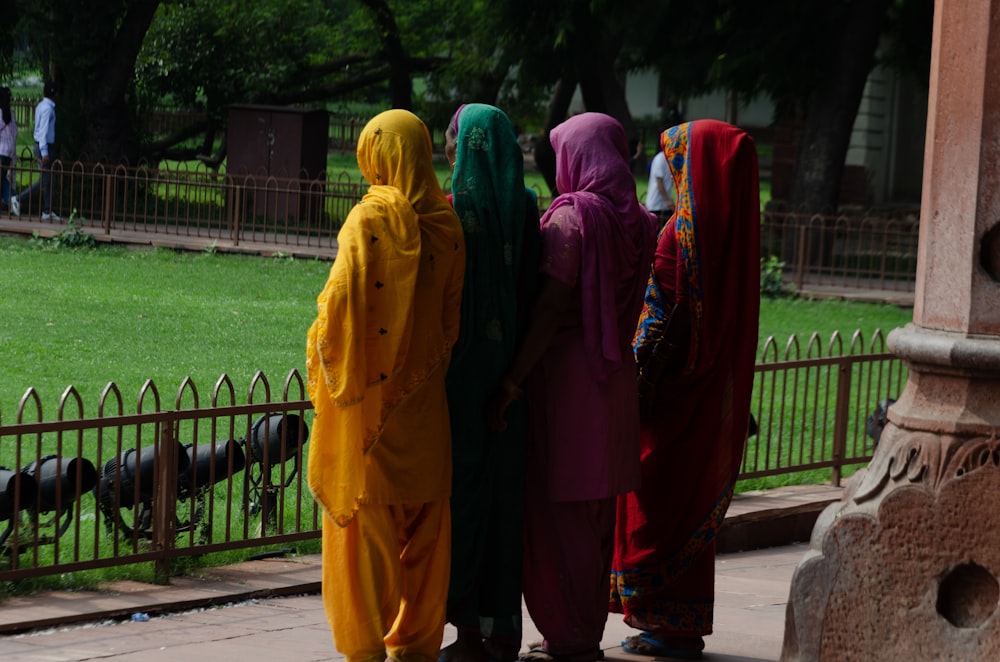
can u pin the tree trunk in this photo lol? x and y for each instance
(95, 121)
(555, 113)
(400, 83)
(832, 110)
(487, 86)
(601, 88)
(603, 93)
(593, 53)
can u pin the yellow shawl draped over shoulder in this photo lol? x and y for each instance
(360, 339)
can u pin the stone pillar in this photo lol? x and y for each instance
(906, 566)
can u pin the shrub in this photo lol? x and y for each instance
(72, 237)
(772, 283)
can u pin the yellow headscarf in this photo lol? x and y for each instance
(359, 341)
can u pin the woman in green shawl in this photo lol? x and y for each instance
(500, 221)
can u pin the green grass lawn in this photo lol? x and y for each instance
(90, 317)
(783, 317)
(801, 328)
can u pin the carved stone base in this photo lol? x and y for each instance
(906, 566)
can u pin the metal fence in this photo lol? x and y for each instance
(199, 206)
(192, 207)
(862, 250)
(814, 405)
(197, 475)
(170, 480)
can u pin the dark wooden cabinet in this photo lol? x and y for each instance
(276, 151)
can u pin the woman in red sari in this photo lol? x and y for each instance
(707, 261)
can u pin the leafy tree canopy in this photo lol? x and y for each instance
(212, 53)
(115, 58)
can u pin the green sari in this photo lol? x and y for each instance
(500, 221)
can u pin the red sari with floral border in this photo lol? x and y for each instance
(708, 256)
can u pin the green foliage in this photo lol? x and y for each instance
(481, 50)
(772, 281)
(211, 54)
(781, 48)
(72, 237)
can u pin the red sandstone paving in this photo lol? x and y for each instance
(752, 590)
(749, 626)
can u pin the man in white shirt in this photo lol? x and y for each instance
(45, 136)
(660, 191)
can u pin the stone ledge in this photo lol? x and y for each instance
(772, 518)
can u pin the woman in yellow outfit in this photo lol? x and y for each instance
(380, 457)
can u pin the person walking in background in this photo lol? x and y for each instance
(376, 358)
(45, 138)
(500, 221)
(704, 288)
(660, 191)
(8, 149)
(597, 244)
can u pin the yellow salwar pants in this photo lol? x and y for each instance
(385, 581)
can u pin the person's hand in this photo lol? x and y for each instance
(497, 406)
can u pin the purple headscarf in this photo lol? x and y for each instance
(453, 125)
(618, 235)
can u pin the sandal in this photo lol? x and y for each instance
(647, 643)
(540, 654)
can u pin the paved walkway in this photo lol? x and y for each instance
(270, 610)
(751, 592)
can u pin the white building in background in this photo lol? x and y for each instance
(888, 137)
(885, 157)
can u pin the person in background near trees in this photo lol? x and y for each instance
(660, 192)
(707, 264)
(376, 358)
(8, 148)
(636, 162)
(45, 137)
(597, 244)
(500, 220)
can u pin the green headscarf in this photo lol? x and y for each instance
(489, 197)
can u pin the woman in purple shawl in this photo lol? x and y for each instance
(576, 367)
